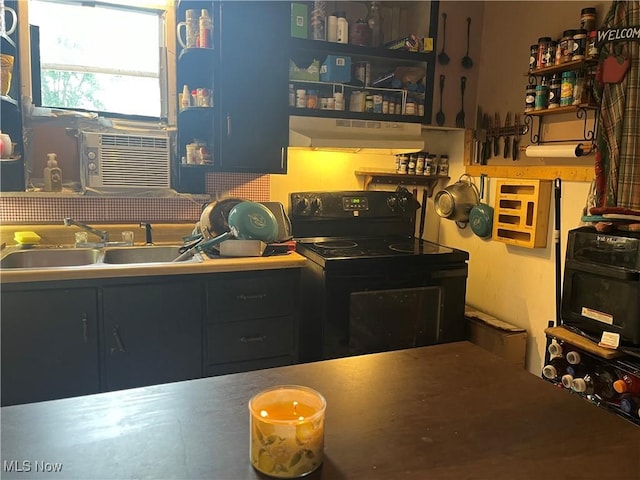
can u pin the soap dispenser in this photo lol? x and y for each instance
(52, 174)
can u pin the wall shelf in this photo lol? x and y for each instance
(545, 172)
(392, 178)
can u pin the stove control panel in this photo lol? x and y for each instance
(344, 204)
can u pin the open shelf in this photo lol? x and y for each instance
(393, 178)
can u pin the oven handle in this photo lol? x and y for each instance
(425, 274)
(602, 270)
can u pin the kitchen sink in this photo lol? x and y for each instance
(55, 257)
(147, 254)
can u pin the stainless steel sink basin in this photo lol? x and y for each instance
(146, 254)
(55, 257)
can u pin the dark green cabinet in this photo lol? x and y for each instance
(247, 128)
(152, 333)
(49, 344)
(251, 321)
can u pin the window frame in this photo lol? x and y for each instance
(164, 9)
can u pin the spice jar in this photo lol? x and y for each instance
(588, 19)
(592, 44)
(549, 55)
(566, 46)
(312, 99)
(533, 57)
(530, 98)
(554, 91)
(542, 97)
(566, 89)
(579, 45)
(543, 44)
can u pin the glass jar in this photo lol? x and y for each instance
(579, 45)
(588, 19)
(312, 99)
(533, 57)
(566, 46)
(530, 98)
(554, 91)
(543, 43)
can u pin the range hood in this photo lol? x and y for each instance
(356, 136)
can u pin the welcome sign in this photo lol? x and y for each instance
(619, 34)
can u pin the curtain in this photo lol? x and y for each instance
(618, 140)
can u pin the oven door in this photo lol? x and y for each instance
(376, 312)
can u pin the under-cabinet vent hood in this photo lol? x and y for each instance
(355, 136)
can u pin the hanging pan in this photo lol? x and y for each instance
(481, 215)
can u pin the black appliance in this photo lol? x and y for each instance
(601, 289)
(369, 285)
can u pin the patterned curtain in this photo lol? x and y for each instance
(618, 156)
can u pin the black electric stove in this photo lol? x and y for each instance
(369, 284)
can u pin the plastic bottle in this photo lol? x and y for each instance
(627, 384)
(332, 28)
(52, 174)
(343, 28)
(375, 25)
(185, 99)
(206, 29)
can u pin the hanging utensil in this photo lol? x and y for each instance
(423, 212)
(507, 138)
(440, 114)
(466, 60)
(460, 115)
(481, 215)
(443, 58)
(496, 136)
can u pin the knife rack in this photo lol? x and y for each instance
(521, 215)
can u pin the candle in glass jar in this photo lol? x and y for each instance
(287, 431)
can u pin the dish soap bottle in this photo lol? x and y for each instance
(52, 174)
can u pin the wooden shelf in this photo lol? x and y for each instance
(389, 177)
(319, 46)
(563, 67)
(561, 110)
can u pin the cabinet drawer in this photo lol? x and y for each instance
(236, 367)
(251, 339)
(263, 294)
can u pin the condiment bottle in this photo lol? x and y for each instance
(588, 19)
(566, 89)
(579, 45)
(343, 28)
(52, 174)
(206, 29)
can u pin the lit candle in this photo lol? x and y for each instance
(287, 431)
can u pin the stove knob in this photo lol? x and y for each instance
(315, 205)
(300, 206)
(392, 202)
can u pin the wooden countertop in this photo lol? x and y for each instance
(449, 411)
(215, 265)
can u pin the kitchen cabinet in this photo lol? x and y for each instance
(361, 67)
(152, 333)
(49, 344)
(12, 168)
(246, 129)
(251, 322)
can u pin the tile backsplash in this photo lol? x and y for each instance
(26, 208)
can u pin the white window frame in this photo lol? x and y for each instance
(168, 58)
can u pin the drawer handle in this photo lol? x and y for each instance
(256, 296)
(255, 338)
(116, 336)
(85, 328)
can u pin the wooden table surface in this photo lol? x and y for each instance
(449, 411)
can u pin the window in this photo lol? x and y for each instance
(101, 57)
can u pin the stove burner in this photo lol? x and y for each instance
(336, 244)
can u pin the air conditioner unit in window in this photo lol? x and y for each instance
(125, 160)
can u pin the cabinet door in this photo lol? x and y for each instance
(253, 87)
(152, 333)
(49, 345)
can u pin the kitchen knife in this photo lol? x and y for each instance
(496, 136)
(507, 138)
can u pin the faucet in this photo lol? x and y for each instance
(104, 236)
(147, 231)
